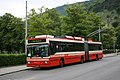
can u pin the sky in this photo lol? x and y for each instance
(17, 7)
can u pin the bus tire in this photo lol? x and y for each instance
(61, 63)
(82, 59)
(97, 58)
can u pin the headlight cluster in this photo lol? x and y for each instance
(46, 62)
(28, 62)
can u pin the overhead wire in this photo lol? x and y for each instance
(58, 1)
(63, 1)
(66, 1)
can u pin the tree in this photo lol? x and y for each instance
(108, 37)
(79, 22)
(11, 33)
(118, 37)
(44, 23)
(111, 18)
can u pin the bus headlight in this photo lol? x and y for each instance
(28, 62)
(46, 62)
(29, 55)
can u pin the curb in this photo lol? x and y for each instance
(14, 71)
(110, 55)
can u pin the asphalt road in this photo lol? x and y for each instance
(105, 69)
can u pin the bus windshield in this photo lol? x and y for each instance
(37, 50)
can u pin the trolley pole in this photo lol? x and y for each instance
(26, 30)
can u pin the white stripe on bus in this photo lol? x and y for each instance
(76, 52)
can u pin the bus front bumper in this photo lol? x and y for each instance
(38, 64)
(41, 63)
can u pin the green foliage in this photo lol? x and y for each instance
(108, 37)
(44, 23)
(12, 59)
(79, 22)
(118, 37)
(106, 5)
(11, 33)
(112, 20)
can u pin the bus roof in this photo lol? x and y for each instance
(60, 39)
(40, 37)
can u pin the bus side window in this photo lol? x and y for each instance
(99, 47)
(58, 48)
(52, 48)
(93, 47)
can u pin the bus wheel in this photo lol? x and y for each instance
(61, 64)
(82, 59)
(97, 58)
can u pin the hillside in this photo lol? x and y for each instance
(107, 5)
(96, 6)
(61, 9)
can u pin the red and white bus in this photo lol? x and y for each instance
(48, 51)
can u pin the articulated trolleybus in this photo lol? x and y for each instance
(48, 51)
